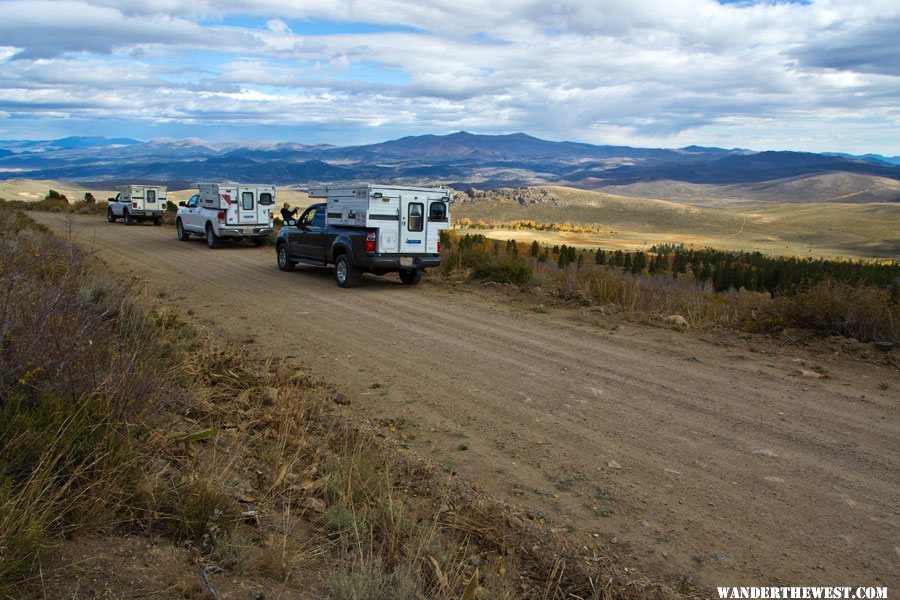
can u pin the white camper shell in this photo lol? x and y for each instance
(138, 203)
(409, 220)
(235, 210)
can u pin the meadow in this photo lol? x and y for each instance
(824, 229)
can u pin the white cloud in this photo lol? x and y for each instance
(583, 69)
(278, 26)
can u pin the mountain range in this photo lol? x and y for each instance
(461, 160)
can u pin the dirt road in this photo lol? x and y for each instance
(705, 458)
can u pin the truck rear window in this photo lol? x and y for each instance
(266, 199)
(247, 200)
(151, 195)
(415, 216)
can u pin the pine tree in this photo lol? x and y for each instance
(563, 260)
(662, 263)
(600, 257)
(639, 263)
(535, 249)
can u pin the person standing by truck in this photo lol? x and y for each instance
(287, 214)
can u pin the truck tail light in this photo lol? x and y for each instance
(439, 246)
(371, 241)
(134, 205)
(221, 215)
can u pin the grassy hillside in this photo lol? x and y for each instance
(851, 188)
(821, 229)
(31, 190)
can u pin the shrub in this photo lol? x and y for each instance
(505, 269)
(832, 307)
(76, 367)
(194, 510)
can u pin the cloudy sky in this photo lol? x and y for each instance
(819, 76)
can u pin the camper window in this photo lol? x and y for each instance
(247, 200)
(151, 196)
(266, 199)
(437, 211)
(414, 220)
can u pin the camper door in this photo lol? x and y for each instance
(252, 206)
(150, 199)
(412, 224)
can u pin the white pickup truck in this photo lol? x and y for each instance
(227, 210)
(138, 203)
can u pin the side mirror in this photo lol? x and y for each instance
(110, 199)
(291, 222)
(182, 203)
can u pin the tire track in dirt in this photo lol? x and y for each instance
(733, 468)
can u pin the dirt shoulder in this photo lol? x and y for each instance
(707, 459)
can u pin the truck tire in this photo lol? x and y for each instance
(157, 221)
(259, 241)
(410, 276)
(345, 273)
(110, 216)
(127, 218)
(284, 261)
(212, 240)
(182, 234)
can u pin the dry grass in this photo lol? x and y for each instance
(77, 360)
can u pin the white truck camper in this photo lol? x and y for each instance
(138, 203)
(227, 210)
(407, 220)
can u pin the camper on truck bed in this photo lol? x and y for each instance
(227, 210)
(138, 203)
(368, 229)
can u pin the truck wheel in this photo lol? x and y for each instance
(110, 216)
(212, 240)
(182, 234)
(345, 273)
(284, 261)
(126, 216)
(157, 221)
(259, 241)
(410, 276)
